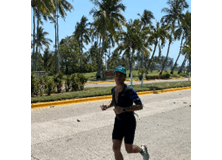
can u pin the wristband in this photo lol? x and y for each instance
(124, 110)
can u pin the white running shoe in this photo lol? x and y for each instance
(145, 153)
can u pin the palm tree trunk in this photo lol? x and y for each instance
(37, 39)
(80, 64)
(189, 66)
(181, 67)
(189, 63)
(108, 59)
(150, 60)
(103, 49)
(178, 55)
(130, 66)
(164, 62)
(98, 75)
(55, 50)
(33, 52)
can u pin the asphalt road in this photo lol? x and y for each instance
(164, 125)
(135, 83)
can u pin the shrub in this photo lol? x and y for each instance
(140, 73)
(33, 84)
(82, 78)
(75, 82)
(41, 86)
(36, 85)
(167, 76)
(147, 77)
(49, 86)
(58, 78)
(68, 83)
(163, 76)
(45, 80)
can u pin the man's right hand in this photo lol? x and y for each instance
(103, 107)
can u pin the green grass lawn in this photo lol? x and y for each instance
(101, 91)
(92, 76)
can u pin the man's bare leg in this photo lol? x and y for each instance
(130, 148)
(116, 149)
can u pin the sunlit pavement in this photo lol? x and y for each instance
(83, 132)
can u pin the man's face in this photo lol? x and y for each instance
(119, 77)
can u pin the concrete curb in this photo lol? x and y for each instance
(89, 99)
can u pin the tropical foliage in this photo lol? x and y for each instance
(110, 38)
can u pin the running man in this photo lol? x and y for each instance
(123, 97)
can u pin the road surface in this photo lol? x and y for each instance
(164, 125)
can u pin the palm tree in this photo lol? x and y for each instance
(171, 20)
(146, 17)
(40, 8)
(157, 34)
(129, 40)
(107, 18)
(41, 40)
(61, 7)
(48, 60)
(186, 51)
(184, 30)
(81, 33)
(142, 40)
(110, 42)
(171, 38)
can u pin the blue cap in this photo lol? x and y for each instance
(120, 69)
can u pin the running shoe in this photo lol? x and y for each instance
(145, 153)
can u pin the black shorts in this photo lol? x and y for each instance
(124, 128)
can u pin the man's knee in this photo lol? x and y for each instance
(116, 148)
(129, 148)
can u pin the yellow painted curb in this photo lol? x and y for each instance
(89, 99)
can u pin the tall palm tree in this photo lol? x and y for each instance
(42, 40)
(146, 17)
(62, 6)
(129, 40)
(157, 34)
(186, 51)
(109, 43)
(48, 60)
(81, 33)
(184, 30)
(43, 9)
(171, 36)
(107, 17)
(171, 20)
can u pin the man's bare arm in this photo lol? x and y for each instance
(134, 108)
(111, 104)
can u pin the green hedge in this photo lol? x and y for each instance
(163, 76)
(47, 85)
(142, 71)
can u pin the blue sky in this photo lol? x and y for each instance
(67, 27)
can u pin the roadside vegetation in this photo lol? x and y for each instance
(136, 44)
(101, 91)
